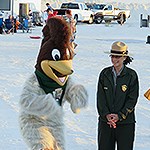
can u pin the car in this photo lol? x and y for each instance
(109, 12)
(80, 11)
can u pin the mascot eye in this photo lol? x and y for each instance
(56, 54)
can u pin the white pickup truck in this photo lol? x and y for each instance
(80, 11)
(109, 13)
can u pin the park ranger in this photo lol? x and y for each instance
(117, 94)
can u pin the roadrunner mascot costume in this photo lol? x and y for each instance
(44, 93)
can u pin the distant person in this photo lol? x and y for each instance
(30, 13)
(1, 24)
(30, 16)
(68, 17)
(51, 13)
(10, 17)
(45, 15)
(117, 94)
(49, 7)
(10, 24)
(17, 25)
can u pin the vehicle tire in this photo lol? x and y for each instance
(99, 20)
(122, 19)
(76, 19)
(91, 20)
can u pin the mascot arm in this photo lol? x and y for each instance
(35, 102)
(76, 95)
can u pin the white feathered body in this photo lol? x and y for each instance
(41, 117)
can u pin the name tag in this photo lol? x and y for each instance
(57, 93)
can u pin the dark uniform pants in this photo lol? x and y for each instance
(122, 136)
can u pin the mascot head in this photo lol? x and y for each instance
(56, 54)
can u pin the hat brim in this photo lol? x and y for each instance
(114, 54)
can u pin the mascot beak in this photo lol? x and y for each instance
(59, 71)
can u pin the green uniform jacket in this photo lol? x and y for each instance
(121, 101)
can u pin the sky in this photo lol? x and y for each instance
(126, 1)
(18, 55)
(122, 1)
(130, 1)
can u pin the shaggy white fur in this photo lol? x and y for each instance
(41, 118)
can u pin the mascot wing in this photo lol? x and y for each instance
(34, 101)
(76, 95)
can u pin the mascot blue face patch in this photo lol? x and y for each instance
(56, 54)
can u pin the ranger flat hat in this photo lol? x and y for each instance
(119, 49)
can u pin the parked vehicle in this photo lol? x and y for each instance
(80, 11)
(108, 13)
(95, 7)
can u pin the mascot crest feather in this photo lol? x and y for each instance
(46, 90)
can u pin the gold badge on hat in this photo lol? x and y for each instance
(124, 88)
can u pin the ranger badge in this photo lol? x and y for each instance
(124, 88)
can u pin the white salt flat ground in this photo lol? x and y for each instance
(17, 59)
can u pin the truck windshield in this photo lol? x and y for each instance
(70, 6)
(98, 6)
(110, 7)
